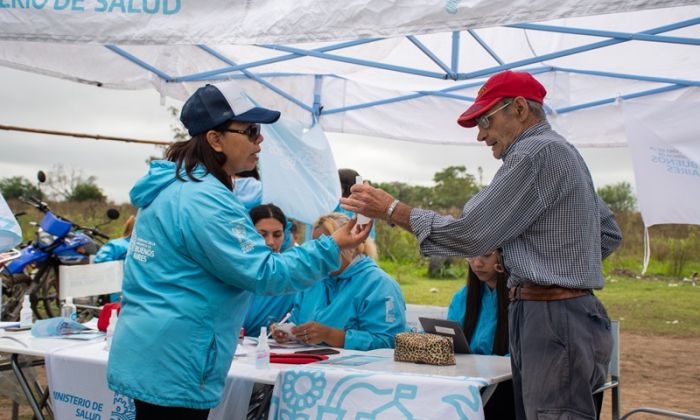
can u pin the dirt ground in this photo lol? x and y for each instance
(661, 372)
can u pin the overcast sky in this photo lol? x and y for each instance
(36, 101)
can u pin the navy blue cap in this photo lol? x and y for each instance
(211, 106)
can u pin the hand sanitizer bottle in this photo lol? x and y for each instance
(110, 329)
(361, 219)
(262, 351)
(25, 314)
(68, 310)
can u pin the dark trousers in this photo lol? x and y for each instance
(501, 405)
(146, 411)
(560, 351)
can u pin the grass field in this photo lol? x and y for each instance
(650, 305)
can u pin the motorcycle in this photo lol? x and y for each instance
(58, 241)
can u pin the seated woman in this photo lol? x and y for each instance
(116, 249)
(358, 307)
(481, 307)
(270, 222)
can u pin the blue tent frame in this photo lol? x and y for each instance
(447, 71)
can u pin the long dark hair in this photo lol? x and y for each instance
(268, 211)
(197, 151)
(475, 291)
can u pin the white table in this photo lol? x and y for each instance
(91, 358)
(24, 344)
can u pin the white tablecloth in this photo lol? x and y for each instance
(334, 393)
(359, 384)
(78, 386)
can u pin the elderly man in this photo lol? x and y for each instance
(543, 211)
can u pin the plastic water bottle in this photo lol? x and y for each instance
(262, 351)
(110, 328)
(25, 314)
(68, 310)
(361, 219)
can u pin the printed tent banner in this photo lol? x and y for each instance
(171, 22)
(665, 145)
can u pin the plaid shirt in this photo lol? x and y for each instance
(541, 209)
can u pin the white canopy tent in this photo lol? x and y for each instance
(402, 70)
(397, 69)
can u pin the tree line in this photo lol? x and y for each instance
(453, 186)
(61, 185)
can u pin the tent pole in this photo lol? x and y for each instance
(485, 46)
(625, 36)
(249, 74)
(454, 65)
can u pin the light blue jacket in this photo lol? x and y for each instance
(363, 300)
(265, 310)
(194, 259)
(113, 250)
(483, 336)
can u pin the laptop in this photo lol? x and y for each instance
(447, 328)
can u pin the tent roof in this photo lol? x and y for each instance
(401, 70)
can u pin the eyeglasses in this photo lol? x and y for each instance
(483, 121)
(252, 132)
(481, 257)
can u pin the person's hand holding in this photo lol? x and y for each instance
(315, 333)
(367, 200)
(279, 335)
(351, 235)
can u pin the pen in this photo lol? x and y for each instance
(285, 318)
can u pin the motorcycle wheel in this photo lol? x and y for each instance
(14, 287)
(48, 304)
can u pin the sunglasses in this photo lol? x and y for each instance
(483, 121)
(252, 132)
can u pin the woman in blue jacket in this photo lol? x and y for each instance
(116, 249)
(358, 307)
(270, 222)
(194, 260)
(481, 308)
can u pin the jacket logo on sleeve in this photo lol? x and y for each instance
(239, 232)
(389, 315)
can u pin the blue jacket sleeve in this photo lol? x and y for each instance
(113, 250)
(381, 317)
(229, 247)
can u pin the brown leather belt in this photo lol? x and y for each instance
(532, 291)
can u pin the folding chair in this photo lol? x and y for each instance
(79, 281)
(614, 383)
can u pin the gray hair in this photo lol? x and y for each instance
(537, 109)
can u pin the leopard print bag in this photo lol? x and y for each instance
(431, 349)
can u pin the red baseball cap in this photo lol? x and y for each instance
(507, 84)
